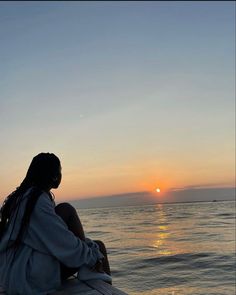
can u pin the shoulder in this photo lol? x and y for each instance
(44, 203)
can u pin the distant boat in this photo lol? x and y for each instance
(214, 201)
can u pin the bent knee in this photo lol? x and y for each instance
(65, 209)
(64, 206)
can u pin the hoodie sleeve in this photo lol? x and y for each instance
(49, 234)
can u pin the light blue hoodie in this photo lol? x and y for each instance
(36, 267)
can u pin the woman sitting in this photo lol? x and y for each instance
(42, 244)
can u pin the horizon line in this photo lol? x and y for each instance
(124, 194)
(159, 203)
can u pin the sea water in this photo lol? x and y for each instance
(186, 248)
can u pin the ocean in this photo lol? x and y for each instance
(174, 249)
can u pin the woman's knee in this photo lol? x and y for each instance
(65, 210)
(65, 207)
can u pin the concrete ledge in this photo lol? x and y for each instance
(76, 287)
(91, 287)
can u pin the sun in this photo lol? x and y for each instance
(158, 190)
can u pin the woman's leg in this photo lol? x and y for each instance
(103, 250)
(68, 213)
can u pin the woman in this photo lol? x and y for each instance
(42, 244)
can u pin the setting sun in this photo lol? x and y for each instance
(158, 190)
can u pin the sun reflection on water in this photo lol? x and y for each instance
(165, 233)
(162, 233)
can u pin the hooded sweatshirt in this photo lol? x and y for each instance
(35, 269)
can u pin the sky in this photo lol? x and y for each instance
(130, 96)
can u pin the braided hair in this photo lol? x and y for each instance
(43, 174)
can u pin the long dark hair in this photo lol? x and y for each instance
(43, 170)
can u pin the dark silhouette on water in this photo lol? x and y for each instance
(44, 173)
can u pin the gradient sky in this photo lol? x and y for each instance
(130, 95)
